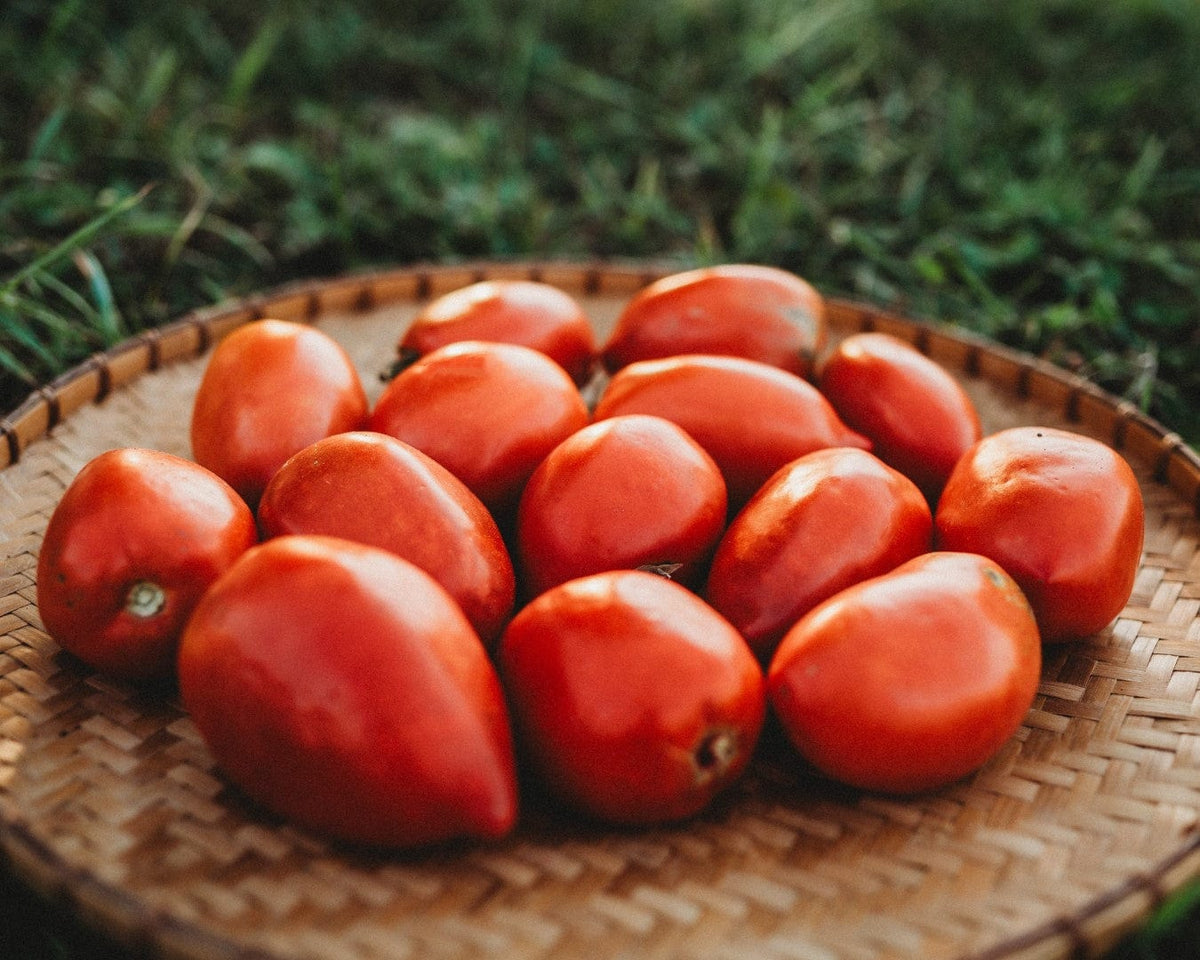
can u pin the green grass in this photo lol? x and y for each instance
(1029, 170)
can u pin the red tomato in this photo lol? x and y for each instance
(270, 389)
(742, 310)
(1060, 512)
(633, 698)
(626, 492)
(488, 412)
(524, 312)
(342, 688)
(918, 417)
(822, 523)
(751, 418)
(376, 490)
(135, 540)
(911, 680)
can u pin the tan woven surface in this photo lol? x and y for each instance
(1071, 835)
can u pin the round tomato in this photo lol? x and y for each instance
(632, 491)
(270, 389)
(911, 680)
(1061, 512)
(373, 489)
(488, 412)
(525, 312)
(742, 310)
(135, 540)
(822, 523)
(918, 417)
(342, 688)
(751, 418)
(632, 697)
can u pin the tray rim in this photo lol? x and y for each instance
(1095, 927)
(1126, 428)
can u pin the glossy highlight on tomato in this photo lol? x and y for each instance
(270, 389)
(529, 313)
(919, 418)
(134, 541)
(750, 417)
(374, 489)
(632, 698)
(821, 524)
(911, 680)
(342, 688)
(1059, 511)
(754, 311)
(488, 412)
(622, 493)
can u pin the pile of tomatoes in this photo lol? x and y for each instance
(381, 617)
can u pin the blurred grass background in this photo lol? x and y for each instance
(1028, 169)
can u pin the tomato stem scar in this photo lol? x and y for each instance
(715, 752)
(145, 599)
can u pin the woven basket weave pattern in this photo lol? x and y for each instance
(1070, 835)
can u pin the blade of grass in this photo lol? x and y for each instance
(9, 362)
(252, 62)
(45, 136)
(23, 335)
(73, 297)
(107, 317)
(74, 241)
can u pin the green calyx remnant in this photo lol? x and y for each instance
(714, 754)
(145, 599)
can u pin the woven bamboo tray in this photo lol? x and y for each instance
(1084, 821)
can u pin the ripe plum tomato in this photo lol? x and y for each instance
(824, 522)
(751, 418)
(488, 412)
(1061, 512)
(743, 310)
(525, 312)
(911, 680)
(632, 697)
(374, 489)
(626, 492)
(342, 688)
(135, 540)
(918, 416)
(270, 389)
